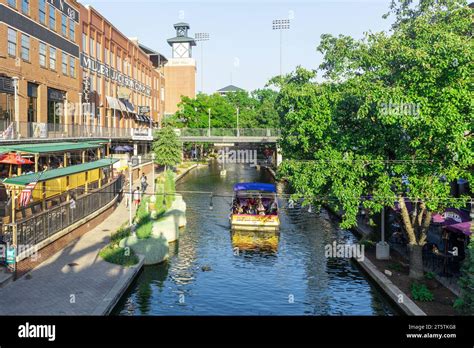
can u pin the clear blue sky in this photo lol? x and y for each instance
(242, 43)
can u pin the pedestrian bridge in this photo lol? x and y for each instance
(228, 135)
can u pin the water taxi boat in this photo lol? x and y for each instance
(255, 207)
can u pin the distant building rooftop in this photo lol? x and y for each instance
(229, 89)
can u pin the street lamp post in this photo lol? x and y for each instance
(281, 24)
(202, 37)
(17, 106)
(209, 120)
(238, 130)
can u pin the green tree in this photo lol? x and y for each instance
(256, 110)
(465, 303)
(167, 147)
(393, 122)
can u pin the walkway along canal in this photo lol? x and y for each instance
(288, 274)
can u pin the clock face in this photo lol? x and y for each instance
(180, 50)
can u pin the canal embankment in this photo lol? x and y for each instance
(76, 280)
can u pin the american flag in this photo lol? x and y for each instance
(8, 133)
(25, 195)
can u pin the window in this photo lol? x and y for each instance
(52, 17)
(64, 25)
(25, 47)
(64, 65)
(91, 47)
(72, 30)
(52, 58)
(99, 85)
(12, 3)
(106, 56)
(84, 42)
(72, 67)
(25, 6)
(12, 37)
(32, 102)
(42, 54)
(97, 50)
(42, 11)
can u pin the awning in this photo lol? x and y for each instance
(116, 104)
(128, 106)
(254, 186)
(48, 147)
(24, 180)
(463, 227)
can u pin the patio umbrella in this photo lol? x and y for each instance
(120, 148)
(14, 158)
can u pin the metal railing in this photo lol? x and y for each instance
(229, 132)
(37, 228)
(32, 130)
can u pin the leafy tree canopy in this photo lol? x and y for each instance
(167, 147)
(393, 121)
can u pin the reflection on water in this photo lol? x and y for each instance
(256, 242)
(283, 273)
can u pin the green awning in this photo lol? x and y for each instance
(48, 147)
(24, 180)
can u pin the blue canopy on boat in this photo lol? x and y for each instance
(254, 186)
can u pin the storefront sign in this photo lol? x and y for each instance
(104, 70)
(40, 130)
(6, 85)
(63, 6)
(142, 134)
(56, 95)
(143, 110)
(11, 255)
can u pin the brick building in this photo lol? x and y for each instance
(180, 70)
(117, 76)
(39, 53)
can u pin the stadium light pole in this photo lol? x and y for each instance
(280, 25)
(202, 37)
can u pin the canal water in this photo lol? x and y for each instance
(212, 271)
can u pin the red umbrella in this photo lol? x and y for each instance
(14, 158)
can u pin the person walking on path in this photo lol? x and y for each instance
(144, 183)
(136, 197)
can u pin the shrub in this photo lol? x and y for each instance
(120, 256)
(465, 303)
(121, 233)
(420, 292)
(429, 275)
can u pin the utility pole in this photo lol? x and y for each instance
(281, 24)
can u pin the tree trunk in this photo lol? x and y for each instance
(416, 261)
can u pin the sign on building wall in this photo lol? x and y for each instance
(114, 75)
(64, 7)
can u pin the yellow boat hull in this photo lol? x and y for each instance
(255, 222)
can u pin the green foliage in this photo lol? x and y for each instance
(256, 110)
(396, 267)
(465, 303)
(120, 256)
(165, 189)
(420, 292)
(367, 243)
(429, 275)
(167, 147)
(343, 141)
(121, 233)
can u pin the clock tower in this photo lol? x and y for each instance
(180, 71)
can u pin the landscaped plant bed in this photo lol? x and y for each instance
(443, 297)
